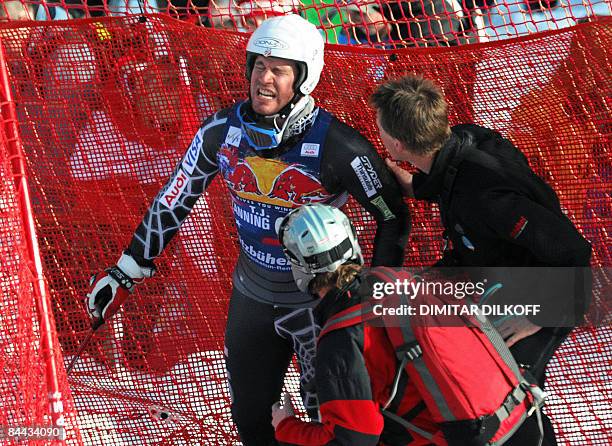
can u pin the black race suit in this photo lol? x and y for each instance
(324, 163)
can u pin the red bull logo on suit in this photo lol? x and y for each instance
(270, 181)
(243, 179)
(298, 187)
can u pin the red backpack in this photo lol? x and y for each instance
(460, 365)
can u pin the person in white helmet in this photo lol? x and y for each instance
(276, 151)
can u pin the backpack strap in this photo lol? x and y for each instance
(356, 315)
(407, 424)
(524, 387)
(409, 350)
(449, 181)
(346, 318)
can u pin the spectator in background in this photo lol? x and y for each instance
(396, 23)
(362, 22)
(124, 7)
(16, 10)
(190, 11)
(15, 46)
(66, 67)
(245, 15)
(61, 10)
(49, 67)
(427, 23)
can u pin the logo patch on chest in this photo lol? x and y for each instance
(234, 136)
(310, 149)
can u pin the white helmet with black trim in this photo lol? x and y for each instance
(293, 38)
(317, 238)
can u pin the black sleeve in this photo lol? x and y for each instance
(551, 238)
(177, 197)
(565, 293)
(350, 163)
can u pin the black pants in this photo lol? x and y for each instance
(260, 340)
(534, 353)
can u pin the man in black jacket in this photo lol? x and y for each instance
(495, 210)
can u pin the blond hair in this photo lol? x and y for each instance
(340, 278)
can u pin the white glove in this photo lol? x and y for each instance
(111, 288)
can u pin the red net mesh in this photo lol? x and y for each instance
(106, 108)
(24, 361)
(21, 364)
(380, 23)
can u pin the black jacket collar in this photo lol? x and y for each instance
(429, 186)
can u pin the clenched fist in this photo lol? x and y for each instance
(109, 289)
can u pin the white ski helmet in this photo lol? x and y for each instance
(317, 238)
(293, 38)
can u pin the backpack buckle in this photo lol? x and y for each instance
(539, 398)
(410, 351)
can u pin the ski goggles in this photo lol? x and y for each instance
(259, 138)
(319, 261)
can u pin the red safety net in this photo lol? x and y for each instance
(379, 23)
(106, 108)
(34, 391)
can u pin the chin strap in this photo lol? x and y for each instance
(302, 121)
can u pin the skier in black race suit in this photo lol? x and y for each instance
(276, 151)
